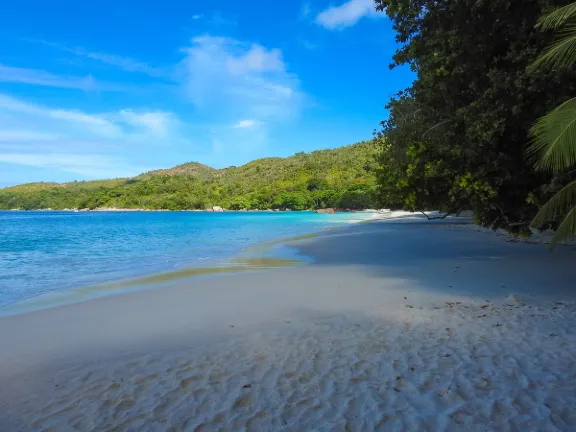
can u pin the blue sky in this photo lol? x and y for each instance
(115, 88)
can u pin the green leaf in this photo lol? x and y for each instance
(557, 18)
(566, 230)
(558, 205)
(561, 53)
(554, 138)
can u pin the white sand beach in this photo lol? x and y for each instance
(399, 325)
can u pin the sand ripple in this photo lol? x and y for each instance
(455, 366)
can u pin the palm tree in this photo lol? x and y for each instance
(554, 135)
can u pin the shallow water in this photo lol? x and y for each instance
(43, 252)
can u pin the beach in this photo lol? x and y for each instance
(401, 324)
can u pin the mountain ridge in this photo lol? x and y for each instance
(305, 179)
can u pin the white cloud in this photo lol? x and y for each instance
(90, 165)
(257, 59)
(227, 80)
(197, 16)
(125, 63)
(91, 145)
(11, 104)
(43, 78)
(239, 92)
(346, 15)
(95, 123)
(25, 135)
(305, 10)
(248, 123)
(155, 122)
(239, 79)
(308, 45)
(37, 114)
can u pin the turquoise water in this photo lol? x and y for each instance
(42, 252)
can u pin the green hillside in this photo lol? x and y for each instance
(342, 177)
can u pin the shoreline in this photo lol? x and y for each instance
(242, 261)
(223, 210)
(394, 325)
(256, 257)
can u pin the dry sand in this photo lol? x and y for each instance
(396, 326)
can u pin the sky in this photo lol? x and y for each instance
(107, 89)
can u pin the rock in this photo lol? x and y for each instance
(217, 209)
(515, 300)
(328, 210)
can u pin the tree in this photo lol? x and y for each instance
(554, 135)
(292, 200)
(317, 184)
(325, 198)
(357, 196)
(240, 203)
(456, 139)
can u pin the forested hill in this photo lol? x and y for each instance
(342, 177)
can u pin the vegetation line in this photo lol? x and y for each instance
(342, 178)
(459, 136)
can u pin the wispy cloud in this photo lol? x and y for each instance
(127, 64)
(247, 123)
(156, 122)
(236, 92)
(24, 135)
(44, 78)
(82, 143)
(239, 79)
(257, 59)
(308, 45)
(228, 79)
(88, 165)
(346, 15)
(305, 10)
(35, 114)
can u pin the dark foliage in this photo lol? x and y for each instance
(457, 138)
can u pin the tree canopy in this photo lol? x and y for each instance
(554, 135)
(457, 138)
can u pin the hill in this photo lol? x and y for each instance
(342, 177)
(189, 168)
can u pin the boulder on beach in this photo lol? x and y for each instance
(328, 210)
(515, 300)
(217, 209)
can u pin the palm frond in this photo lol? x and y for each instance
(554, 138)
(566, 230)
(556, 18)
(561, 53)
(437, 125)
(558, 205)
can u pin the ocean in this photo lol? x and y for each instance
(45, 252)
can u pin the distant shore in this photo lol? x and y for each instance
(220, 209)
(402, 323)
